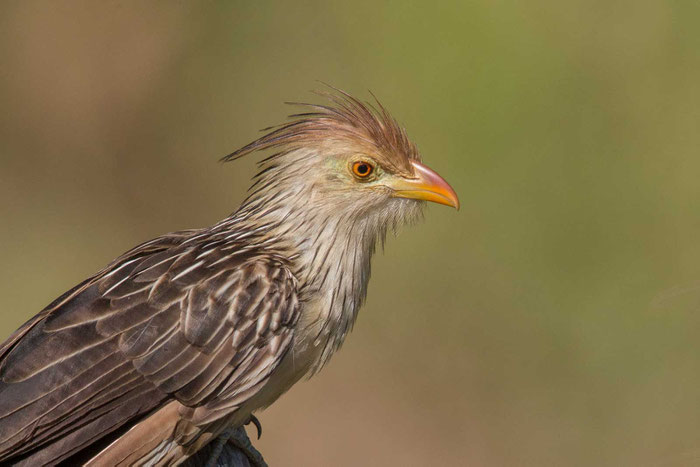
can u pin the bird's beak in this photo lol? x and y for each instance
(426, 185)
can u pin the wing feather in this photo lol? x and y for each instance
(169, 320)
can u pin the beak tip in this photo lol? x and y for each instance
(454, 199)
(451, 197)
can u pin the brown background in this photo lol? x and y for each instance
(552, 321)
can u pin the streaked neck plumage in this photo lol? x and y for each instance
(329, 246)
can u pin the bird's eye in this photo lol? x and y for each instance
(362, 169)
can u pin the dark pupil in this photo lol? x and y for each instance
(363, 169)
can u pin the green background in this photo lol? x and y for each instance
(552, 321)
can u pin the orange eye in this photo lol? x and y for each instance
(362, 169)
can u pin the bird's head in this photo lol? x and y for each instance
(345, 161)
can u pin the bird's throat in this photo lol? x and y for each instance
(330, 256)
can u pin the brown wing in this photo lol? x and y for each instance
(194, 321)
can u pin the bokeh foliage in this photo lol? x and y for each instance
(554, 320)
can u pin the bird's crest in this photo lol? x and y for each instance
(346, 119)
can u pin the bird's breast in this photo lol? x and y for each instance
(310, 339)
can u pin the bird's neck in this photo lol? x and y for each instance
(329, 254)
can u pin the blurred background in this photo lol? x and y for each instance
(554, 320)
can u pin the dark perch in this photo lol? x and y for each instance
(237, 452)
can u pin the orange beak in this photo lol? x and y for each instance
(426, 185)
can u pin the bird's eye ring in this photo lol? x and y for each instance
(362, 169)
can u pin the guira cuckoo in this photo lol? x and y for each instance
(186, 335)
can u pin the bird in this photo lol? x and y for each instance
(187, 335)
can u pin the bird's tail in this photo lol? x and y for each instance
(163, 439)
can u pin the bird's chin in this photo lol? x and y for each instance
(406, 211)
(414, 211)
